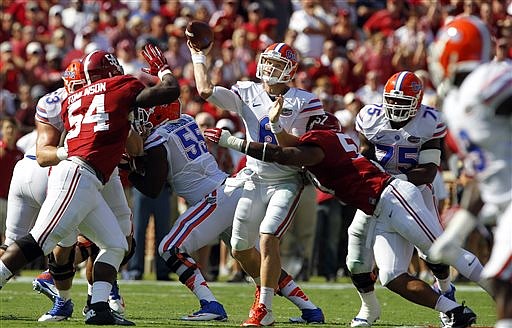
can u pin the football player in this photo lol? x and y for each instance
(403, 136)
(26, 195)
(336, 167)
(176, 154)
(270, 196)
(477, 106)
(97, 119)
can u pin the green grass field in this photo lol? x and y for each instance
(161, 304)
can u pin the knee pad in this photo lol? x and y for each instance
(130, 252)
(175, 260)
(438, 269)
(62, 271)
(29, 247)
(239, 244)
(111, 256)
(362, 281)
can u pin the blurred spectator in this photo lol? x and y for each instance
(75, 17)
(9, 155)
(242, 50)
(125, 52)
(170, 10)
(27, 107)
(144, 9)
(122, 28)
(254, 16)
(35, 66)
(268, 32)
(503, 50)
(343, 29)
(6, 22)
(10, 75)
(312, 30)
(371, 91)
(341, 78)
(175, 57)
(230, 70)
(156, 34)
(386, 20)
(225, 20)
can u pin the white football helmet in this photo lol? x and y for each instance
(277, 64)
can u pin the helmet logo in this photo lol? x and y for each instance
(416, 87)
(113, 61)
(290, 55)
(69, 74)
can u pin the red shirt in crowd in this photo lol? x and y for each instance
(8, 159)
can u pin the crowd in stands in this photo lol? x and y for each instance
(348, 49)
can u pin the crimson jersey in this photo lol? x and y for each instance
(344, 172)
(96, 118)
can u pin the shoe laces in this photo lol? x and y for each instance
(58, 306)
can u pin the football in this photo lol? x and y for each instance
(199, 34)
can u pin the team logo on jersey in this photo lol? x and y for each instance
(414, 139)
(287, 112)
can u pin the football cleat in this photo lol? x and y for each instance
(310, 316)
(366, 316)
(61, 310)
(43, 284)
(261, 316)
(445, 320)
(101, 314)
(116, 301)
(256, 301)
(209, 311)
(460, 317)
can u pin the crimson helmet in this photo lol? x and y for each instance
(280, 58)
(403, 93)
(151, 118)
(327, 121)
(73, 76)
(460, 46)
(100, 65)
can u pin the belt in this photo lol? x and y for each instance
(83, 163)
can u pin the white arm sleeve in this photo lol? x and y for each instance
(225, 99)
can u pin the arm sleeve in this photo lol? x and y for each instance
(225, 99)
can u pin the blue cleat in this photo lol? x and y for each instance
(209, 311)
(310, 316)
(44, 285)
(61, 310)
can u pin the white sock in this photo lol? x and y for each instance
(64, 294)
(100, 291)
(89, 289)
(5, 274)
(445, 304)
(266, 295)
(295, 294)
(370, 307)
(444, 284)
(199, 287)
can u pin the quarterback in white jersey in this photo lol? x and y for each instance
(270, 196)
(176, 153)
(478, 106)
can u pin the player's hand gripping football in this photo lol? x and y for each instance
(157, 63)
(218, 136)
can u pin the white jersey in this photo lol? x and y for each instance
(250, 101)
(483, 137)
(49, 106)
(193, 171)
(397, 151)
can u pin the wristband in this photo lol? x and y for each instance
(234, 143)
(198, 59)
(275, 127)
(164, 72)
(62, 153)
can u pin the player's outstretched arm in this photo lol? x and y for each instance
(163, 93)
(303, 155)
(203, 83)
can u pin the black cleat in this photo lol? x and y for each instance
(100, 314)
(460, 317)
